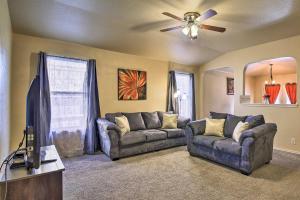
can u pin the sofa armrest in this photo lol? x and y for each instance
(182, 122)
(257, 146)
(197, 127)
(109, 134)
(105, 124)
(268, 129)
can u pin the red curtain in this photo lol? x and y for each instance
(273, 91)
(291, 89)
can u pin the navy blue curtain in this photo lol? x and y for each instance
(45, 103)
(193, 98)
(93, 109)
(172, 103)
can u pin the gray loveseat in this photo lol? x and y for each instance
(146, 134)
(254, 149)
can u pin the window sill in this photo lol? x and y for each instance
(271, 105)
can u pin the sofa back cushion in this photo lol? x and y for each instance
(215, 115)
(230, 124)
(255, 120)
(111, 116)
(182, 122)
(135, 120)
(151, 120)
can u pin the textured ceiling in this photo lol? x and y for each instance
(132, 26)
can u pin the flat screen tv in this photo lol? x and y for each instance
(32, 130)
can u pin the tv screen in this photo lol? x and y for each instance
(33, 125)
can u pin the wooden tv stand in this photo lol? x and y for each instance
(43, 183)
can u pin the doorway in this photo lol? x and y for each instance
(218, 94)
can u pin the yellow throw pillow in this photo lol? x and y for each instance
(170, 121)
(240, 127)
(123, 124)
(214, 127)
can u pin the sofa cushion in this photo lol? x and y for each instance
(136, 121)
(215, 115)
(230, 123)
(154, 134)
(111, 116)
(133, 137)
(174, 133)
(151, 120)
(255, 121)
(182, 122)
(206, 141)
(228, 146)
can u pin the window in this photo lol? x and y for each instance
(184, 94)
(68, 106)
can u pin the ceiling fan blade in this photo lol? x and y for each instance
(172, 16)
(212, 28)
(207, 14)
(171, 28)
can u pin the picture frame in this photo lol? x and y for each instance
(132, 84)
(230, 86)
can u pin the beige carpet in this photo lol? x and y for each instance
(174, 174)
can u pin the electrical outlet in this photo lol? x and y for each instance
(293, 141)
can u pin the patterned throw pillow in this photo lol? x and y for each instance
(123, 124)
(214, 127)
(170, 121)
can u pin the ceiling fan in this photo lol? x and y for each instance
(193, 21)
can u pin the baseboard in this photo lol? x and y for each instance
(287, 150)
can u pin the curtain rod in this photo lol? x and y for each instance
(181, 72)
(57, 56)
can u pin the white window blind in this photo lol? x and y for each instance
(185, 94)
(68, 105)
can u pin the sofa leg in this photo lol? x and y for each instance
(115, 159)
(245, 173)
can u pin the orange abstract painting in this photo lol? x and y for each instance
(132, 84)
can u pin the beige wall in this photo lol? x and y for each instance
(24, 67)
(287, 119)
(215, 93)
(5, 52)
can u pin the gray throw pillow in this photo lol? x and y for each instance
(135, 120)
(230, 123)
(151, 120)
(255, 121)
(111, 116)
(215, 115)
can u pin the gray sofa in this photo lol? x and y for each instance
(253, 150)
(146, 134)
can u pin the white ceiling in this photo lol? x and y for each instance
(132, 26)
(284, 65)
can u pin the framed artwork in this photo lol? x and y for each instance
(132, 84)
(230, 86)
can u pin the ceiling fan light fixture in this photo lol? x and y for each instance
(194, 30)
(186, 30)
